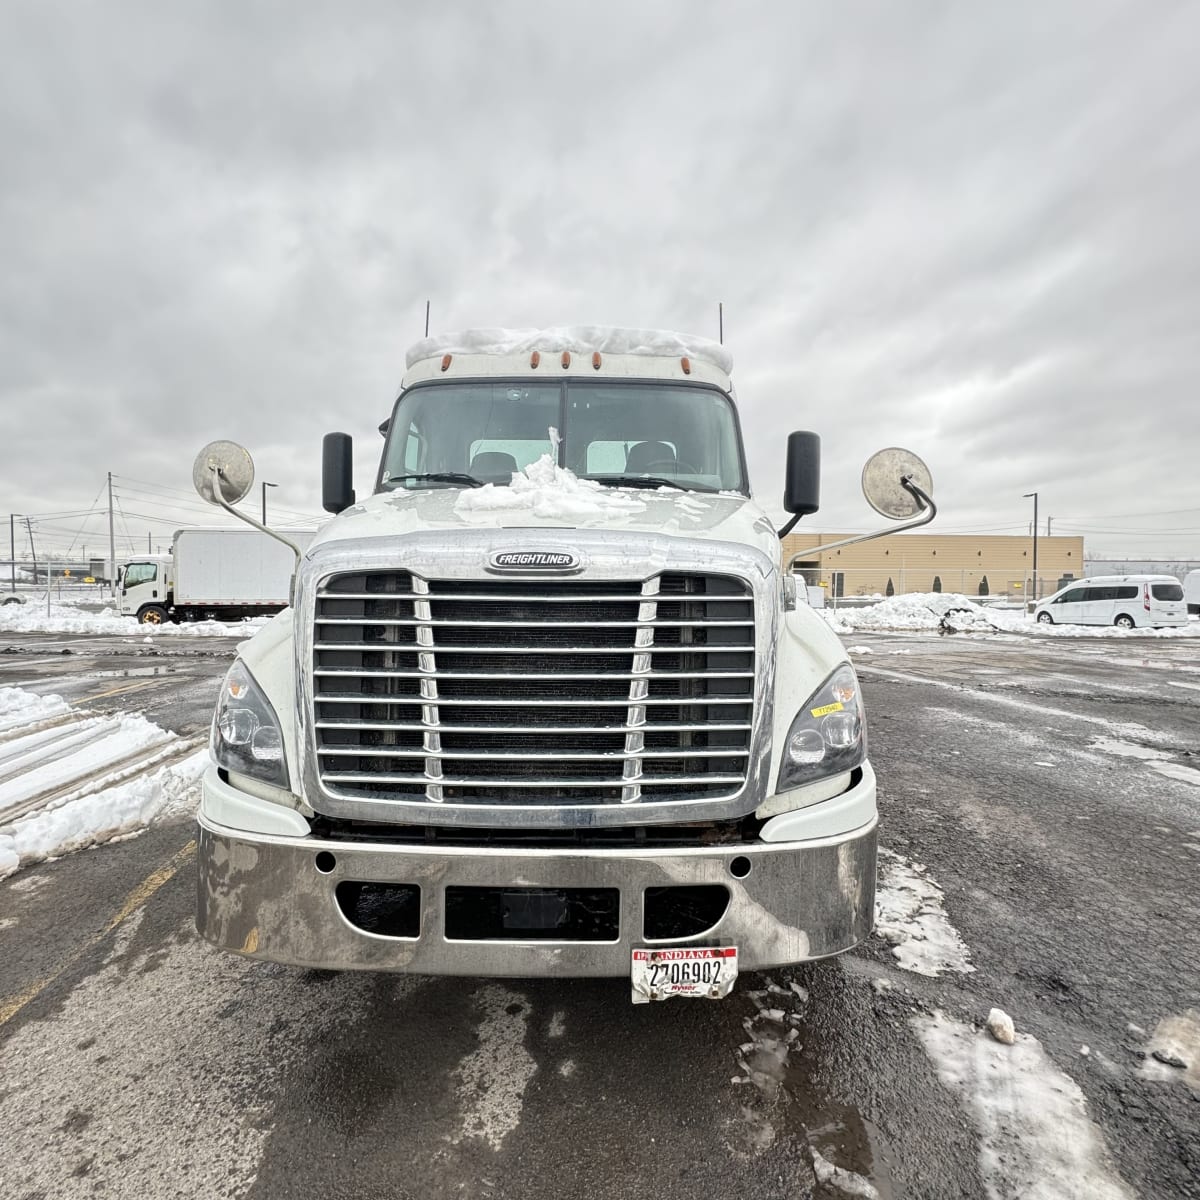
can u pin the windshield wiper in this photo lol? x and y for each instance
(649, 481)
(438, 477)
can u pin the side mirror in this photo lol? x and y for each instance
(802, 480)
(337, 472)
(893, 481)
(234, 470)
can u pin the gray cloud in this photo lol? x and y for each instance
(969, 230)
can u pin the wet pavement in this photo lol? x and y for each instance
(1044, 786)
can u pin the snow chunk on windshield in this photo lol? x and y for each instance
(547, 490)
(578, 339)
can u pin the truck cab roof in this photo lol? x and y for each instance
(589, 351)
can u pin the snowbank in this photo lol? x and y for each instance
(94, 777)
(955, 613)
(19, 708)
(32, 618)
(578, 339)
(544, 489)
(103, 815)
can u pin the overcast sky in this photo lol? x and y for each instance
(968, 229)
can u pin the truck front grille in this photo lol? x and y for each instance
(538, 692)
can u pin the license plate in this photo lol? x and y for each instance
(707, 972)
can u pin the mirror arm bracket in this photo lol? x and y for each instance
(927, 513)
(241, 516)
(789, 525)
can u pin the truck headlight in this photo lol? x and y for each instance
(245, 735)
(829, 734)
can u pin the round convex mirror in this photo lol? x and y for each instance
(883, 487)
(236, 469)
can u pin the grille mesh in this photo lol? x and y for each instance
(533, 692)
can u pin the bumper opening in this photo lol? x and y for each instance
(563, 914)
(680, 912)
(386, 909)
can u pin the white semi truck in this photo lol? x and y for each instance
(546, 702)
(211, 574)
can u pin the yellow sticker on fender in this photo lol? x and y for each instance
(836, 706)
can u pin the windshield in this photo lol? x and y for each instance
(673, 433)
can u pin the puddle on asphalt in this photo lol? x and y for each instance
(851, 1156)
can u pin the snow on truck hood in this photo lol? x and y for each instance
(545, 496)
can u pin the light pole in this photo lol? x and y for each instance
(264, 498)
(1034, 497)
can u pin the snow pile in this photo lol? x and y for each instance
(96, 775)
(33, 618)
(578, 339)
(101, 816)
(955, 613)
(910, 917)
(544, 489)
(1035, 1136)
(18, 708)
(924, 610)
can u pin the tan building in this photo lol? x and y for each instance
(928, 562)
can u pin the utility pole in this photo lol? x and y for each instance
(1034, 497)
(264, 499)
(112, 544)
(426, 330)
(1049, 521)
(149, 545)
(32, 549)
(12, 546)
(721, 322)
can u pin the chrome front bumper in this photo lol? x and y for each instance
(263, 895)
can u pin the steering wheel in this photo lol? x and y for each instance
(669, 466)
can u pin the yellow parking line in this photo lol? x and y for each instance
(140, 894)
(128, 687)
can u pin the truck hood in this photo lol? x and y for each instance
(724, 518)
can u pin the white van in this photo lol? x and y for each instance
(1191, 591)
(1127, 601)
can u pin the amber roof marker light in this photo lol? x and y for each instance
(446, 360)
(595, 360)
(566, 359)
(687, 365)
(534, 359)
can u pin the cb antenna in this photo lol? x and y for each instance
(426, 318)
(720, 323)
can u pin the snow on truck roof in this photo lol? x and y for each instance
(577, 339)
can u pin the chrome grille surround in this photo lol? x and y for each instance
(632, 564)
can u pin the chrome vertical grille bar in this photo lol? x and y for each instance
(431, 739)
(635, 738)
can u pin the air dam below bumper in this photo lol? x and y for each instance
(265, 896)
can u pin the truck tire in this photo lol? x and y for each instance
(152, 614)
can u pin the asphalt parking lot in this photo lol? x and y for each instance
(1048, 791)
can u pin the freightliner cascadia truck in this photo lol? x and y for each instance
(547, 702)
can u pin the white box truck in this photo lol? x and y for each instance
(546, 702)
(211, 574)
